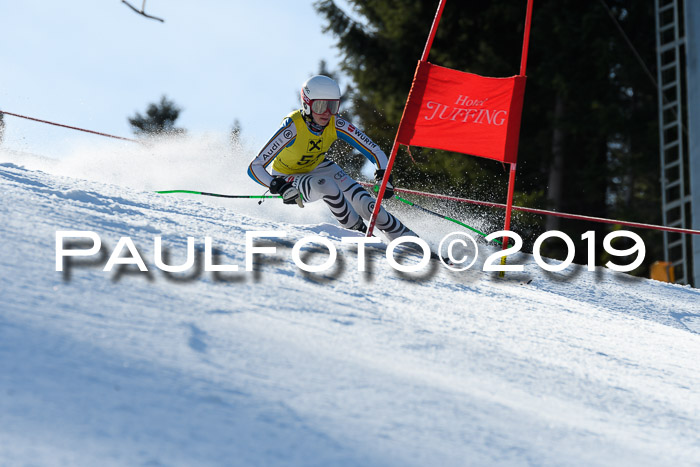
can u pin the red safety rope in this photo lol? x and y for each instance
(70, 127)
(544, 212)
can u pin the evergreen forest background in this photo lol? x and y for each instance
(589, 137)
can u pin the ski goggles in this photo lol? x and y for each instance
(320, 106)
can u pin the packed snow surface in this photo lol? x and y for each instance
(283, 367)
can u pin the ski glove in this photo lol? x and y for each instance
(290, 195)
(389, 189)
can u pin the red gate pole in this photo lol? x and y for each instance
(395, 146)
(526, 38)
(511, 178)
(509, 202)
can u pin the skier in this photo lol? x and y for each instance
(301, 173)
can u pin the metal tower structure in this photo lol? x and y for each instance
(677, 50)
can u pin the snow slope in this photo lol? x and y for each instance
(281, 367)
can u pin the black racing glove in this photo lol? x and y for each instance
(290, 195)
(389, 189)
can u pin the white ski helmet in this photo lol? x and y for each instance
(320, 88)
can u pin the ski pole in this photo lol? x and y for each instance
(410, 203)
(217, 194)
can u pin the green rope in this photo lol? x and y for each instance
(445, 217)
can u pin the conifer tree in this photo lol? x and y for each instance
(235, 135)
(2, 127)
(159, 119)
